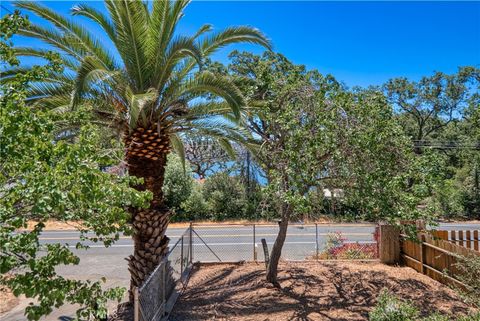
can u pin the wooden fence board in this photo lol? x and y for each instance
(469, 239)
(477, 241)
(436, 255)
(468, 243)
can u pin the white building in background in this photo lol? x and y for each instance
(337, 193)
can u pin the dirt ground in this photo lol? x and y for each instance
(343, 291)
(7, 300)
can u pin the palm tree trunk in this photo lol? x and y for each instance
(146, 157)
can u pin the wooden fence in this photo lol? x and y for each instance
(432, 255)
(468, 239)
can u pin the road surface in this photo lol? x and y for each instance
(228, 242)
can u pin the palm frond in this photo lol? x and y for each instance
(179, 48)
(96, 16)
(130, 21)
(91, 69)
(139, 107)
(74, 33)
(42, 53)
(178, 147)
(232, 35)
(207, 82)
(227, 147)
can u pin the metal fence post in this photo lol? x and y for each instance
(191, 243)
(316, 241)
(181, 259)
(254, 245)
(164, 276)
(136, 305)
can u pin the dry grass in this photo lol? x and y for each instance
(310, 291)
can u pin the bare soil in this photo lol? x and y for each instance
(7, 300)
(344, 291)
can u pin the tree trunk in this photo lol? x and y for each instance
(272, 269)
(146, 157)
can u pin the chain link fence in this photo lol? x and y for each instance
(155, 298)
(243, 242)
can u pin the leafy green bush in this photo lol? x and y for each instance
(468, 268)
(194, 207)
(225, 196)
(391, 308)
(178, 182)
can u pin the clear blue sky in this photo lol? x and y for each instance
(360, 43)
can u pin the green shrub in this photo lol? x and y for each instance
(178, 182)
(194, 207)
(225, 196)
(468, 268)
(436, 317)
(391, 308)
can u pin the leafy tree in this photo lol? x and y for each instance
(149, 90)
(43, 176)
(438, 112)
(433, 102)
(315, 134)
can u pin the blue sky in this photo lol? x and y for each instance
(360, 43)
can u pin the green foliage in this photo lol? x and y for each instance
(225, 196)
(468, 268)
(178, 183)
(9, 26)
(150, 75)
(440, 114)
(44, 177)
(219, 197)
(432, 103)
(315, 134)
(391, 308)
(194, 207)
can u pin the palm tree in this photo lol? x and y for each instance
(148, 85)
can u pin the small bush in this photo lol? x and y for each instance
(436, 317)
(194, 207)
(178, 182)
(225, 196)
(391, 308)
(468, 268)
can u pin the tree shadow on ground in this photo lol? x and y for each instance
(328, 292)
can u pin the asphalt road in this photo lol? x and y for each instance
(227, 242)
